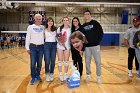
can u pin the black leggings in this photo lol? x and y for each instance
(131, 55)
(77, 60)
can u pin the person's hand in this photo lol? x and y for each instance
(28, 51)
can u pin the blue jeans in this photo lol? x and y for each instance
(50, 56)
(36, 55)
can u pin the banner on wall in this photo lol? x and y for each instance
(32, 14)
(125, 14)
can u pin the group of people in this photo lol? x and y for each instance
(11, 40)
(132, 40)
(76, 39)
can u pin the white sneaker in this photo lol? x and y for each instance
(61, 77)
(51, 77)
(47, 78)
(65, 76)
(87, 78)
(137, 72)
(130, 73)
(99, 81)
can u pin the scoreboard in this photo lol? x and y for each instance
(32, 14)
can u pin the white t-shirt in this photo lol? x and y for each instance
(50, 36)
(35, 35)
(67, 43)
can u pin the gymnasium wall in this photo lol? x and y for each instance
(109, 18)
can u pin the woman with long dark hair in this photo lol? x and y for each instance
(76, 57)
(50, 49)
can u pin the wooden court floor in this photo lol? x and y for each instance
(15, 74)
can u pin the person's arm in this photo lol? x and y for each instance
(126, 43)
(27, 42)
(57, 32)
(100, 31)
(126, 38)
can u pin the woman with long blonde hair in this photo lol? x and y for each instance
(63, 47)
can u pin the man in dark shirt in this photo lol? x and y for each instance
(94, 33)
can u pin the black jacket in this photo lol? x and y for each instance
(93, 32)
(136, 39)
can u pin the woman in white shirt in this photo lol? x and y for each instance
(50, 49)
(63, 48)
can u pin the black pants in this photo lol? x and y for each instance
(77, 60)
(131, 55)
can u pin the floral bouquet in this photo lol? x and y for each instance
(62, 38)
